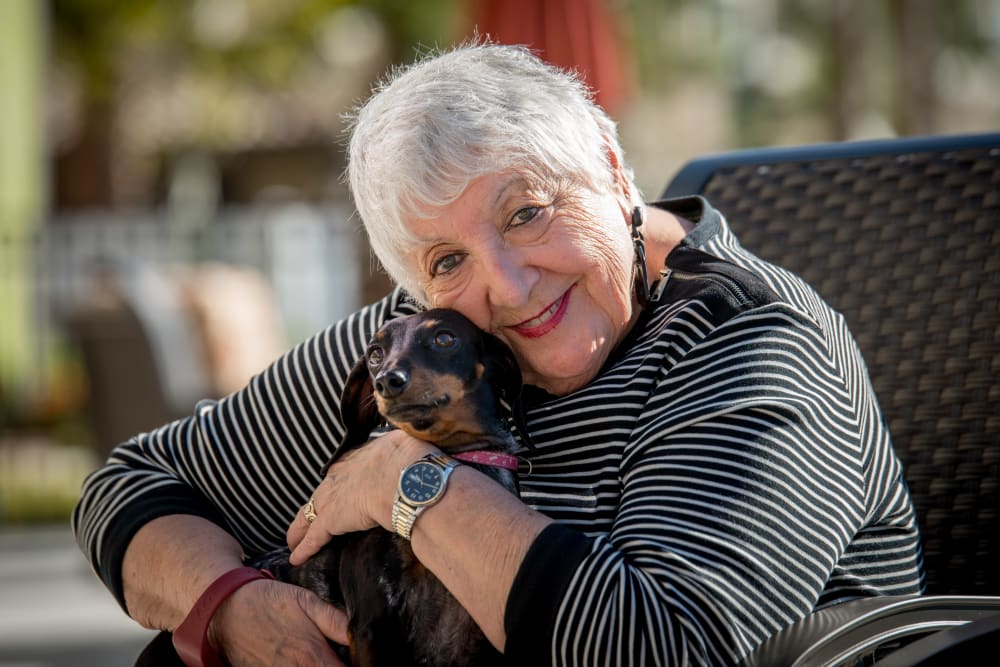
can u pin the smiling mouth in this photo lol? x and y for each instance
(545, 321)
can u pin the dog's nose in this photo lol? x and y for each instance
(391, 383)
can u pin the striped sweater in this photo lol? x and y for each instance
(727, 472)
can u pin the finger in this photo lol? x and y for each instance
(330, 620)
(311, 542)
(296, 530)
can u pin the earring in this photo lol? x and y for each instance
(641, 276)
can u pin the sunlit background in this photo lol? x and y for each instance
(171, 210)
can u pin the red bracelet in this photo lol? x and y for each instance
(191, 636)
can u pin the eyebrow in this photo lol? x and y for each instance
(505, 187)
(515, 179)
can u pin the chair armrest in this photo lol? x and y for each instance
(844, 632)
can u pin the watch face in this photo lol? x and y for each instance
(421, 483)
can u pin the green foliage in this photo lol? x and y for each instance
(280, 37)
(40, 480)
(89, 32)
(417, 26)
(23, 505)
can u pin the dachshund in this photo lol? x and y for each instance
(440, 378)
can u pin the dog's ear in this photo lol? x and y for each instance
(358, 410)
(505, 373)
(502, 367)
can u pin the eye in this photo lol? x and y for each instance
(445, 339)
(446, 264)
(376, 355)
(524, 216)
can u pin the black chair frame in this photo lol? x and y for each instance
(903, 237)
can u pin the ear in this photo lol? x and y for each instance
(505, 373)
(358, 410)
(620, 177)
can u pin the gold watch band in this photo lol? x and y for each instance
(403, 518)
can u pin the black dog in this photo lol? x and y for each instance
(438, 377)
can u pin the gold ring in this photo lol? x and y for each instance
(309, 511)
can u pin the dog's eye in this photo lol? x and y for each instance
(375, 356)
(445, 339)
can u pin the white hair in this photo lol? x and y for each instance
(433, 127)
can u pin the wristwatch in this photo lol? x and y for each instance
(421, 484)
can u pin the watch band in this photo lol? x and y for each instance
(191, 636)
(405, 513)
(403, 518)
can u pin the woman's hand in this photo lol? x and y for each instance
(357, 493)
(272, 623)
(477, 563)
(174, 558)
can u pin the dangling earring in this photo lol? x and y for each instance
(641, 276)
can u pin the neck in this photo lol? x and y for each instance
(663, 231)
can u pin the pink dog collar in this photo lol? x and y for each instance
(484, 458)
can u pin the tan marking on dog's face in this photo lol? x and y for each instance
(457, 426)
(458, 422)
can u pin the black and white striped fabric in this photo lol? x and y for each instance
(727, 472)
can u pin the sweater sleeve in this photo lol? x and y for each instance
(742, 487)
(246, 462)
(538, 587)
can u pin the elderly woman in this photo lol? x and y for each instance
(710, 461)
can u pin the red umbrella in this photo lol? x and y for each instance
(573, 34)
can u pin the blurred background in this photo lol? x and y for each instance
(172, 215)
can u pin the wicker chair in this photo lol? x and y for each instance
(903, 237)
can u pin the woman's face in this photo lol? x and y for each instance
(548, 269)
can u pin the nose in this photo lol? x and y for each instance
(391, 383)
(508, 278)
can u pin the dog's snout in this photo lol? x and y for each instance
(392, 383)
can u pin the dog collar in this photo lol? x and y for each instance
(484, 458)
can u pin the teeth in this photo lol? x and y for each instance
(535, 321)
